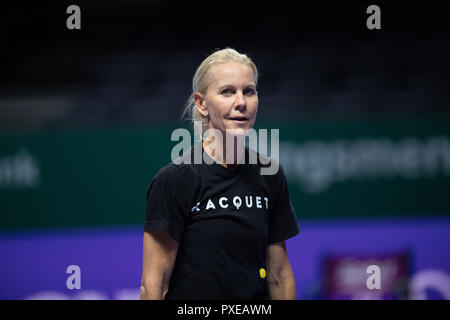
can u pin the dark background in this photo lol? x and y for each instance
(132, 62)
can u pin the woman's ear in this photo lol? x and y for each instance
(200, 103)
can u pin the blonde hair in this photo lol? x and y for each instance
(202, 80)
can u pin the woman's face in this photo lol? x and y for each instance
(231, 100)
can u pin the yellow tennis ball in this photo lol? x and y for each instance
(262, 273)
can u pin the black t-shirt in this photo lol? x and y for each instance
(224, 219)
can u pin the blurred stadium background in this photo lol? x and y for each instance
(364, 118)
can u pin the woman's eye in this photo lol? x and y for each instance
(226, 91)
(249, 91)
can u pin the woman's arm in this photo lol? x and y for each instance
(280, 277)
(160, 251)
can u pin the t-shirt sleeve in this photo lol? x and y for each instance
(166, 202)
(282, 218)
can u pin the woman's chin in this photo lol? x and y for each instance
(237, 131)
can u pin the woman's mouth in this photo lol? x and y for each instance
(238, 119)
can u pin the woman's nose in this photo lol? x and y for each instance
(240, 101)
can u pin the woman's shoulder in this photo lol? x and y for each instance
(176, 172)
(174, 179)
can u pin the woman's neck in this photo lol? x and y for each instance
(217, 150)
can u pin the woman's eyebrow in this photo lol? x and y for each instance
(225, 86)
(232, 86)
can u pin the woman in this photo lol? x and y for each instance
(217, 231)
